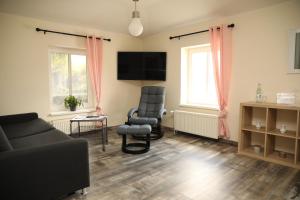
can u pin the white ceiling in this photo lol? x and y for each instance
(114, 15)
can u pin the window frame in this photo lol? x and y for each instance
(186, 70)
(70, 51)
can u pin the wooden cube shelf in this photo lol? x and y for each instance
(251, 116)
(298, 124)
(276, 144)
(250, 139)
(297, 155)
(277, 147)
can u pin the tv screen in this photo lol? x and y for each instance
(142, 66)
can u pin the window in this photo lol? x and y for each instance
(68, 76)
(197, 77)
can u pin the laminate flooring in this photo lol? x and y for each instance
(183, 167)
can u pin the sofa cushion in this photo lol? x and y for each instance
(4, 143)
(26, 128)
(48, 137)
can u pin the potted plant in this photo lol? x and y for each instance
(72, 102)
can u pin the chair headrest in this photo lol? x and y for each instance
(158, 90)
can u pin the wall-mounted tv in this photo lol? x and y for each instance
(142, 66)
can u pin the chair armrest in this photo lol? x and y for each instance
(45, 172)
(131, 112)
(162, 112)
(8, 119)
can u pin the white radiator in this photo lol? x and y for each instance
(196, 123)
(64, 126)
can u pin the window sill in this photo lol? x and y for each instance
(206, 107)
(60, 113)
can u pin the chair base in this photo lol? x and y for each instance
(153, 136)
(145, 147)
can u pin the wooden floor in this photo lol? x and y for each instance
(184, 167)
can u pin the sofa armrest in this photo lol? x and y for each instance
(131, 112)
(8, 119)
(45, 172)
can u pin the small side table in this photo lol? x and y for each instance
(102, 119)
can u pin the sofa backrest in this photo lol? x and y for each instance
(22, 125)
(26, 128)
(8, 119)
(4, 143)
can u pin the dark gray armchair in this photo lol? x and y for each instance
(150, 111)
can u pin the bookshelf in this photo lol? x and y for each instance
(260, 125)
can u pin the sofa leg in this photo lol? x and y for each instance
(83, 191)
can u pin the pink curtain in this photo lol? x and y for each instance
(221, 44)
(94, 56)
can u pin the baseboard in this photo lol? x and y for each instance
(111, 128)
(231, 142)
(167, 128)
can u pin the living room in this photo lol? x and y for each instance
(180, 163)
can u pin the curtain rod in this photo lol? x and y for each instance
(193, 33)
(71, 34)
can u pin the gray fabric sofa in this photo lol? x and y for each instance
(38, 161)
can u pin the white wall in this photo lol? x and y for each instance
(260, 55)
(24, 70)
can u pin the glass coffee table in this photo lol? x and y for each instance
(101, 122)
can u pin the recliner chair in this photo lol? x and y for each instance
(150, 111)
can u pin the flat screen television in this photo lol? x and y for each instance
(142, 66)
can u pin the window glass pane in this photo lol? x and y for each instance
(59, 79)
(211, 83)
(79, 77)
(199, 77)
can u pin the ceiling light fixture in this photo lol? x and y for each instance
(135, 27)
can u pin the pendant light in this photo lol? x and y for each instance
(135, 27)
